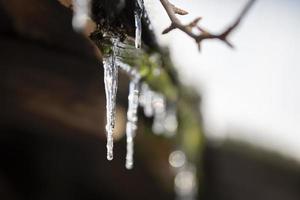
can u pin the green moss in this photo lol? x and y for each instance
(190, 127)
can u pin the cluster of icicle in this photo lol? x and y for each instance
(111, 64)
(140, 94)
(153, 104)
(164, 117)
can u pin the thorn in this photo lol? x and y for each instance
(170, 28)
(195, 22)
(199, 46)
(179, 11)
(228, 43)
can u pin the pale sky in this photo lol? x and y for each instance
(254, 90)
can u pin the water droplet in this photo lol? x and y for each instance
(177, 159)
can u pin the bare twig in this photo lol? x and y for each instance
(188, 29)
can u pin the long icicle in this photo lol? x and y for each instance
(132, 119)
(111, 87)
(138, 13)
(132, 115)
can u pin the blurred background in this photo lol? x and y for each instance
(250, 93)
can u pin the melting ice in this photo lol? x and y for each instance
(111, 86)
(132, 118)
(138, 13)
(132, 115)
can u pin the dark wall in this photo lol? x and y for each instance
(241, 172)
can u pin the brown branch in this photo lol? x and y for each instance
(188, 29)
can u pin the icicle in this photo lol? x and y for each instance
(132, 118)
(146, 100)
(154, 104)
(111, 86)
(138, 13)
(133, 103)
(159, 106)
(81, 9)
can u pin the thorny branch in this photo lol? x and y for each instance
(204, 34)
